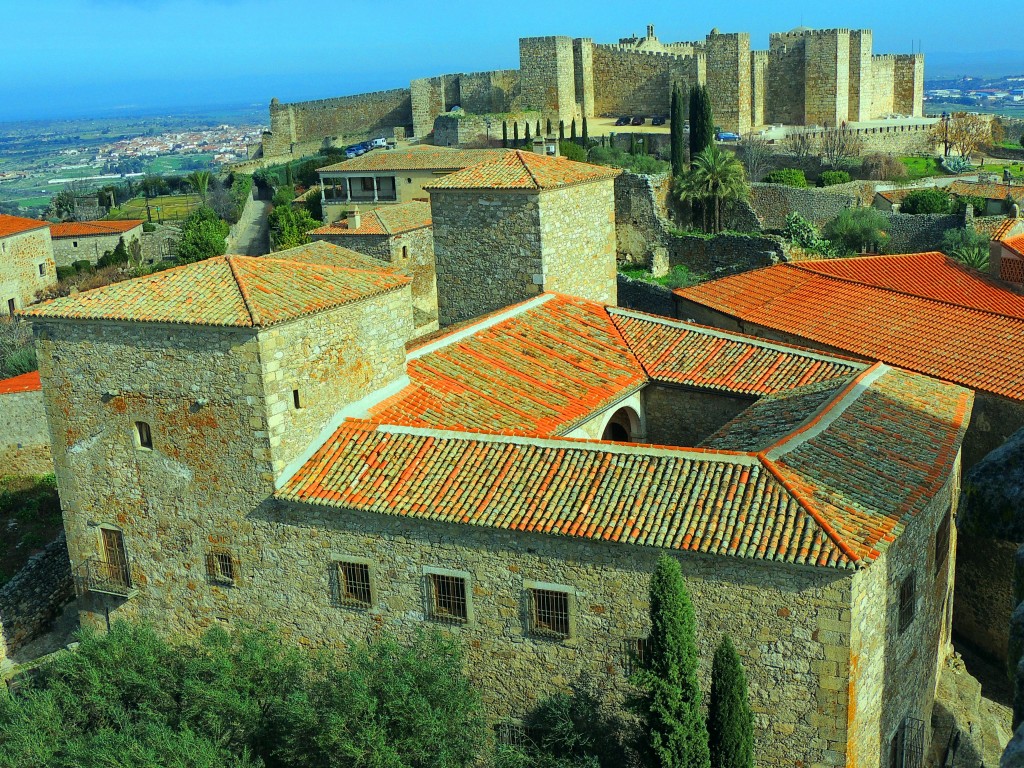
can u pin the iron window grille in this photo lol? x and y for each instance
(634, 654)
(549, 613)
(354, 588)
(908, 601)
(448, 601)
(223, 567)
(513, 734)
(906, 747)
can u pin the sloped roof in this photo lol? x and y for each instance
(923, 312)
(1015, 244)
(241, 291)
(524, 170)
(330, 255)
(89, 228)
(15, 225)
(421, 157)
(988, 190)
(386, 220)
(1002, 229)
(27, 382)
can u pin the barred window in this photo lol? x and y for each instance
(448, 601)
(549, 612)
(222, 567)
(354, 585)
(908, 601)
(634, 653)
(942, 542)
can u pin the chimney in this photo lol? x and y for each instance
(539, 145)
(354, 220)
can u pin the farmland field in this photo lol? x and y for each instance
(163, 208)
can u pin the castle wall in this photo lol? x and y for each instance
(427, 96)
(861, 86)
(759, 69)
(633, 82)
(583, 73)
(728, 63)
(785, 99)
(908, 85)
(827, 73)
(547, 77)
(472, 130)
(883, 74)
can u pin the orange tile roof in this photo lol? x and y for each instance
(330, 255)
(421, 157)
(27, 382)
(897, 195)
(1015, 244)
(1004, 228)
(923, 312)
(524, 170)
(15, 225)
(88, 228)
(989, 191)
(240, 291)
(386, 220)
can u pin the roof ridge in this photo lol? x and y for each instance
(244, 291)
(529, 170)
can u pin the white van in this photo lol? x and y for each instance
(380, 143)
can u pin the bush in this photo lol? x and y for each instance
(791, 177)
(831, 178)
(289, 225)
(634, 163)
(17, 351)
(148, 226)
(63, 273)
(803, 234)
(680, 276)
(978, 204)
(202, 236)
(924, 201)
(858, 228)
(967, 246)
(117, 256)
(880, 167)
(83, 266)
(570, 150)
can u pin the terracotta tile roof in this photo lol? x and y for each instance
(538, 368)
(685, 353)
(989, 191)
(922, 312)
(417, 158)
(1003, 227)
(27, 382)
(1015, 244)
(240, 291)
(87, 228)
(524, 170)
(897, 195)
(15, 225)
(386, 220)
(330, 255)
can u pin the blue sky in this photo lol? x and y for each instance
(83, 57)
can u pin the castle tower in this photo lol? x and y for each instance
(827, 73)
(547, 79)
(583, 69)
(729, 82)
(861, 83)
(908, 85)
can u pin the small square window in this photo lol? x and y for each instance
(222, 567)
(448, 600)
(908, 601)
(354, 585)
(143, 437)
(42, 270)
(74, 243)
(549, 612)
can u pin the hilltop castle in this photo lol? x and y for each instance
(806, 77)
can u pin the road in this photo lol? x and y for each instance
(252, 236)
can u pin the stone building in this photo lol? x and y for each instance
(806, 77)
(26, 261)
(24, 438)
(924, 312)
(271, 451)
(399, 235)
(89, 240)
(389, 176)
(520, 225)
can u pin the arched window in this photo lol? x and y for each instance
(623, 426)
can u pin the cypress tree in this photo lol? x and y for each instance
(515, 134)
(702, 121)
(632, 144)
(677, 136)
(538, 128)
(572, 130)
(561, 130)
(730, 720)
(549, 127)
(673, 731)
(586, 134)
(526, 143)
(504, 134)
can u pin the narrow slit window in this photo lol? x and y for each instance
(42, 270)
(295, 399)
(143, 435)
(448, 600)
(354, 585)
(942, 542)
(549, 615)
(405, 252)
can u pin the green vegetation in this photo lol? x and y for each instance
(922, 167)
(673, 732)
(882, 167)
(17, 348)
(202, 236)
(702, 121)
(680, 276)
(132, 699)
(831, 178)
(289, 223)
(791, 177)
(161, 208)
(30, 516)
(924, 201)
(715, 181)
(200, 182)
(855, 229)
(1016, 171)
(802, 233)
(634, 163)
(968, 247)
(572, 151)
(730, 719)
(176, 163)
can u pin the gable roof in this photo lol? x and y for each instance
(330, 255)
(421, 157)
(987, 190)
(89, 228)
(386, 220)
(923, 312)
(15, 225)
(241, 291)
(26, 382)
(524, 170)
(1015, 244)
(1002, 229)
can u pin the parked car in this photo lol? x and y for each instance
(622, 121)
(351, 152)
(380, 143)
(659, 120)
(638, 121)
(727, 136)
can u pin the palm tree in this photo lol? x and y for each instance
(715, 180)
(200, 181)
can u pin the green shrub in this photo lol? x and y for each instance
(831, 178)
(635, 163)
(978, 204)
(148, 226)
(83, 265)
(791, 177)
(680, 276)
(857, 228)
(955, 164)
(572, 151)
(63, 273)
(202, 236)
(730, 719)
(925, 201)
(968, 247)
(20, 361)
(804, 234)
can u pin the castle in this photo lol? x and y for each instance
(806, 77)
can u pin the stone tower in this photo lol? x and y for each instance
(729, 68)
(547, 77)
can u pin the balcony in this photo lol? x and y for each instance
(100, 577)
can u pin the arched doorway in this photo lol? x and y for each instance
(622, 427)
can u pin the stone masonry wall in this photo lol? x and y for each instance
(827, 69)
(577, 232)
(26, 266)
(773, 202)
(24, 438)
(686, 417)
(724, 254)
(31, 600)
(883, 77)
(645, 297)
(785, 95)
(634, 82)
(547, 80)
(728, 65)
(859, 108)
(916, 233)
(472, 130)
(640, 222)
(70, 249)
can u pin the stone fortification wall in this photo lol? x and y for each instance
(361, 115)
(915, 233)
(547, 77)
(641, 225)
(24, 436)
(728, 66)
(645, 297)
(861, 45)
(26, 266)
(773, 202)
(31, 600)
(478, 93)
(631, 82)
(827, 73)
(784, 102)
(583, 73)
(460, 130)
(883, 85)
(759, 67)
(724, 254)
(908, 89)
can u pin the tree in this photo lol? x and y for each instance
(515, 134)
(549, 127)
(571, 151)
(561, 130)
(757, 155)
(716, 179)
(673, 733)
(730, 719)
(855, 229)
(289, 226)
(504, 134)
(677, 136)
(572, 130)
(922, 201)
(63, 205)
(967, 246)
(586, 133)
(963, 132)
(702, 121)
(537, 131)
(202, 235)
(839, 144)
(527, 140)
(881, 167)
(800, 145)
(200, 182)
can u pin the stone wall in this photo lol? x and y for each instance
(24, 438)
(641, 225)
(773, 202)
(460, 130)
(26, 266)
(686, 417)
(785, 95)
(547, 77)
(724, 254)
(859, 109)
(638, 82)
(476, 92)
(827, 72)
(645, 297)
(360, 116)
(31, 600)
(915, 233)
(91, 247)
(728, 65)
(984, 594)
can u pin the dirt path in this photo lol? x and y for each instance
(252, 233)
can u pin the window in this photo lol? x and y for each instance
(405, 252)
(74, 243)
(549, 612)
(448, 600)
(906, 747)
(42, 270)
(634, 653)
(942, 542)
(295, 399)
(908, 601)
(143, 437)
(354, 584)
(11, 307)
(222, 567)
(366, 184)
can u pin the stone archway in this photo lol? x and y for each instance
(623, 426)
